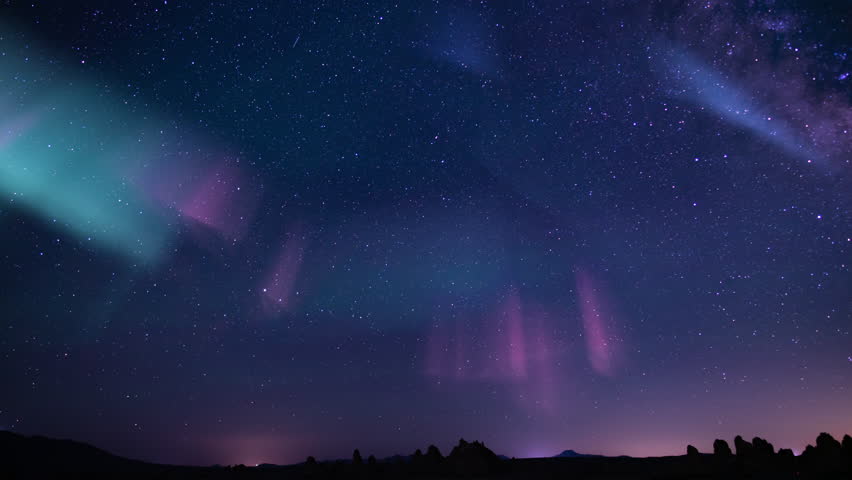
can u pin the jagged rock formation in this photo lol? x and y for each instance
(826, 444)
(827, 456)
(743, 448)
(762, 448)
(472, 459)
(721, 448)
(433, 454)
(692, 452)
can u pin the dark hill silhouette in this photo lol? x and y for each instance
(573, 454)
(19, 452)
(39, 457)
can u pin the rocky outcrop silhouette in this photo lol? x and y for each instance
(472, 458)
(827, 456)
(417, 459)
(742, 447)
(433, 454)
(827, 445)
(692, 452)
(721, 448)
(846, 446)
(761, 448)
(432, 462)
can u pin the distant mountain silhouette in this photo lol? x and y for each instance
(573, 454)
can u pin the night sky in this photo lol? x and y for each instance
(245, 232)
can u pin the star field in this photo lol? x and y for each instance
(247, 232)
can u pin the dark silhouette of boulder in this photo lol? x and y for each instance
(784, 460)
(473, 459)
(743, 448)
(692, 452)
(311, 467)
(432, 462)
(827, 445)
(417, 460)
(846, 447)
(829, 454)
(721, 448)
(356, 458)
(762, 448)
(824, 458)
(433, 454)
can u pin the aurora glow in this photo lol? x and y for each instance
(253, 232)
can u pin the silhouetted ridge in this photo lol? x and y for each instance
(573, 454)
(18, 453)
(827, 459)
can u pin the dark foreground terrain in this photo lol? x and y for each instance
(39, 457)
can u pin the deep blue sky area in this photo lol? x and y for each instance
(246, 232)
